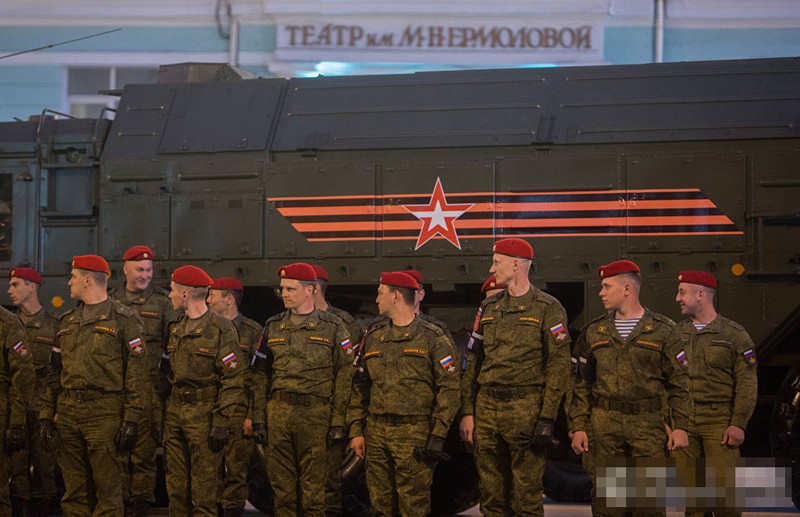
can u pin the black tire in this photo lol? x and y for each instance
(785, 428)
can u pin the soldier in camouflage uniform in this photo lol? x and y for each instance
(722, 375)
(17, 379)
(489, 288)
(224, 298)
(33, 481)
(206, 374)
(305, 357)
(100, 354)
(152, 305)
(631, 357)
(516, 374)
(404, 399)
(336, 451)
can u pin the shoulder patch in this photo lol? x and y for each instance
(750, 357)
(682, 359)
(448, 364)
(20, 349)
(230, 361)
(347, 346)
(136, 346)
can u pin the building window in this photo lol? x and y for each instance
(83, 85)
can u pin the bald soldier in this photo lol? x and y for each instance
(630, 360)
(151, 303)
(224, 298)
(33, 482)
(99, 356)
(337, 447)
(722, 375)
(17, 379)
(206, 375)
(516, 374)
(404, 399)
(305, 360)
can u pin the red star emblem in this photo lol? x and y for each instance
(438, 218)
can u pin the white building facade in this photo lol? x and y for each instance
(89, 46)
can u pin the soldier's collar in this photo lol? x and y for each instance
(510, 303)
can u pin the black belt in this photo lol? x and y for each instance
(504, 394)
(628, 407)
(87, 395)
(401, 419)
(299, 399)
(190, 396)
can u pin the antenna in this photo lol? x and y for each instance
(61, 43)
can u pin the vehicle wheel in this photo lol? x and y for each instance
(785, 428)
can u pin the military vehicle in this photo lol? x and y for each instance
(676, 166)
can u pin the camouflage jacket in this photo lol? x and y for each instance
(249, 334)
(40, 333)
(519, 341)
(722, 366)
(408, 371)
(16, 369)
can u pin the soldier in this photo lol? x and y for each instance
(206, 375)
(224, 298)
(631, 357)
(489, 288)
(516, 375)
(34, 469)
(306, 358)
(403, 402)
(17, 379)
(722, 374)
(152, 305)
(99, 357)
(336, 452)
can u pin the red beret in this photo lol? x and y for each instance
(191, 276)
(514, 248)
(698, 277)
(91, 263)
(399, 279)
(416, 275)
(140, 252)
(298, 271)
(617, 268)
(321, 273)
(25, 273)
(491, 283)
(227, 283)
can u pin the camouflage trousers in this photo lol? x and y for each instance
(5, 458)
(88, 456)
(619, 435)
(236, 461)
(398, 484)
(333, 483)
(33, 470)
(297, 456)
(192, 469)
(510, 476)
(706, 427)
(140, 465)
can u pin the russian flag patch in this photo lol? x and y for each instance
(559, 331)
(230, 361)
(135, 345)
(347, 346)
(20, 349)
(448, 364)
(682, 359)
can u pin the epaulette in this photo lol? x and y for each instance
(380, 321)
(543, 297)
(112, 291)
(8, 316)
(430, 325)
(662, 319)
(120, 308)
(274, 317)
(160, 290)
(732, 324)
(346, 316)
(330, 317)
(251, 323)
